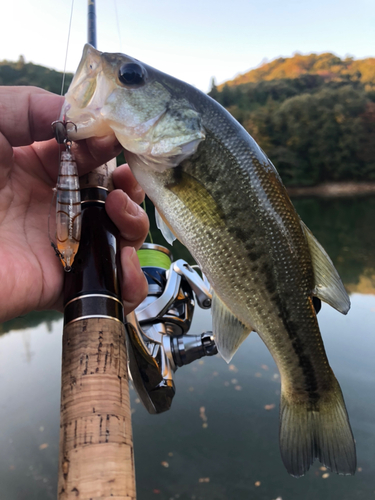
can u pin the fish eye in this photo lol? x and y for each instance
(131, 74)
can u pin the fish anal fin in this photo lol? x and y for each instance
(328, 284)
(323, 433)
(229, 332)
(164, 228)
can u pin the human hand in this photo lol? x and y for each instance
(31, 276)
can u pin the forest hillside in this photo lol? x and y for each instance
(313, 115)
(22, 73)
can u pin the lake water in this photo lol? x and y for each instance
(219, 441)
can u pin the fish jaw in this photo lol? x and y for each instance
(147, 120)
(85, 98)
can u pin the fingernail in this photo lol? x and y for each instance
(117, 148)
(138, 189)
(109, 143)
(105, 141)
(131, 207)
(132, 255)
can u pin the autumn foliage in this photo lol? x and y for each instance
(314, 116)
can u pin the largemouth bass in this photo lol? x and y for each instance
(219, 194)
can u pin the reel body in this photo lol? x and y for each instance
(158, 339)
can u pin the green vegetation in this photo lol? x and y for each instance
(22, 73)
(313, 115)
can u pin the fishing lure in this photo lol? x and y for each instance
(68, 201)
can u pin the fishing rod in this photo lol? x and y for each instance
(96, 444)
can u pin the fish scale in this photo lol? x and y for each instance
(230, 275)
(221, 196)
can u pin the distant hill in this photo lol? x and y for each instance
(22, 73)
(313, 115)
(328, 66)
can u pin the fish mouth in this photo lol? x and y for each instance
(84, 104)
(80, 125)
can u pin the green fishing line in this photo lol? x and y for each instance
(153, 258)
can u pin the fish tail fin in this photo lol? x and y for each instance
(319, 429)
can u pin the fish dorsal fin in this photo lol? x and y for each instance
(165, 230)
(328, 284)
(229, 332)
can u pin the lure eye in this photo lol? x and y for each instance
(131, 74)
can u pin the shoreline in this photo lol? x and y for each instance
(333, 189)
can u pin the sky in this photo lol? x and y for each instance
(193, 40)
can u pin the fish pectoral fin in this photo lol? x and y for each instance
(328, 284)
(164, 228)
(228, 331)
(316, 429)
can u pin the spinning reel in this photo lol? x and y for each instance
(158, 339)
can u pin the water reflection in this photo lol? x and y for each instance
(220, 439)
(35, 318)
(30, 361)
(345, 227)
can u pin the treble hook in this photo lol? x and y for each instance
(60, 131)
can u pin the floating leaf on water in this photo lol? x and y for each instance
(170, 454)
(234, 381)
(359, 469)
(201, 362)
(165, 464)
(325, 475)
(257, 483)
(238, 388)
(43, 446)
(205, 425)
(275, 376)
(264, 367)
(156, 491)
(137, 400)
(233, 368)
(258, 375)
(269, 407)
(204, 479)
(202, 413)
(323, 468)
